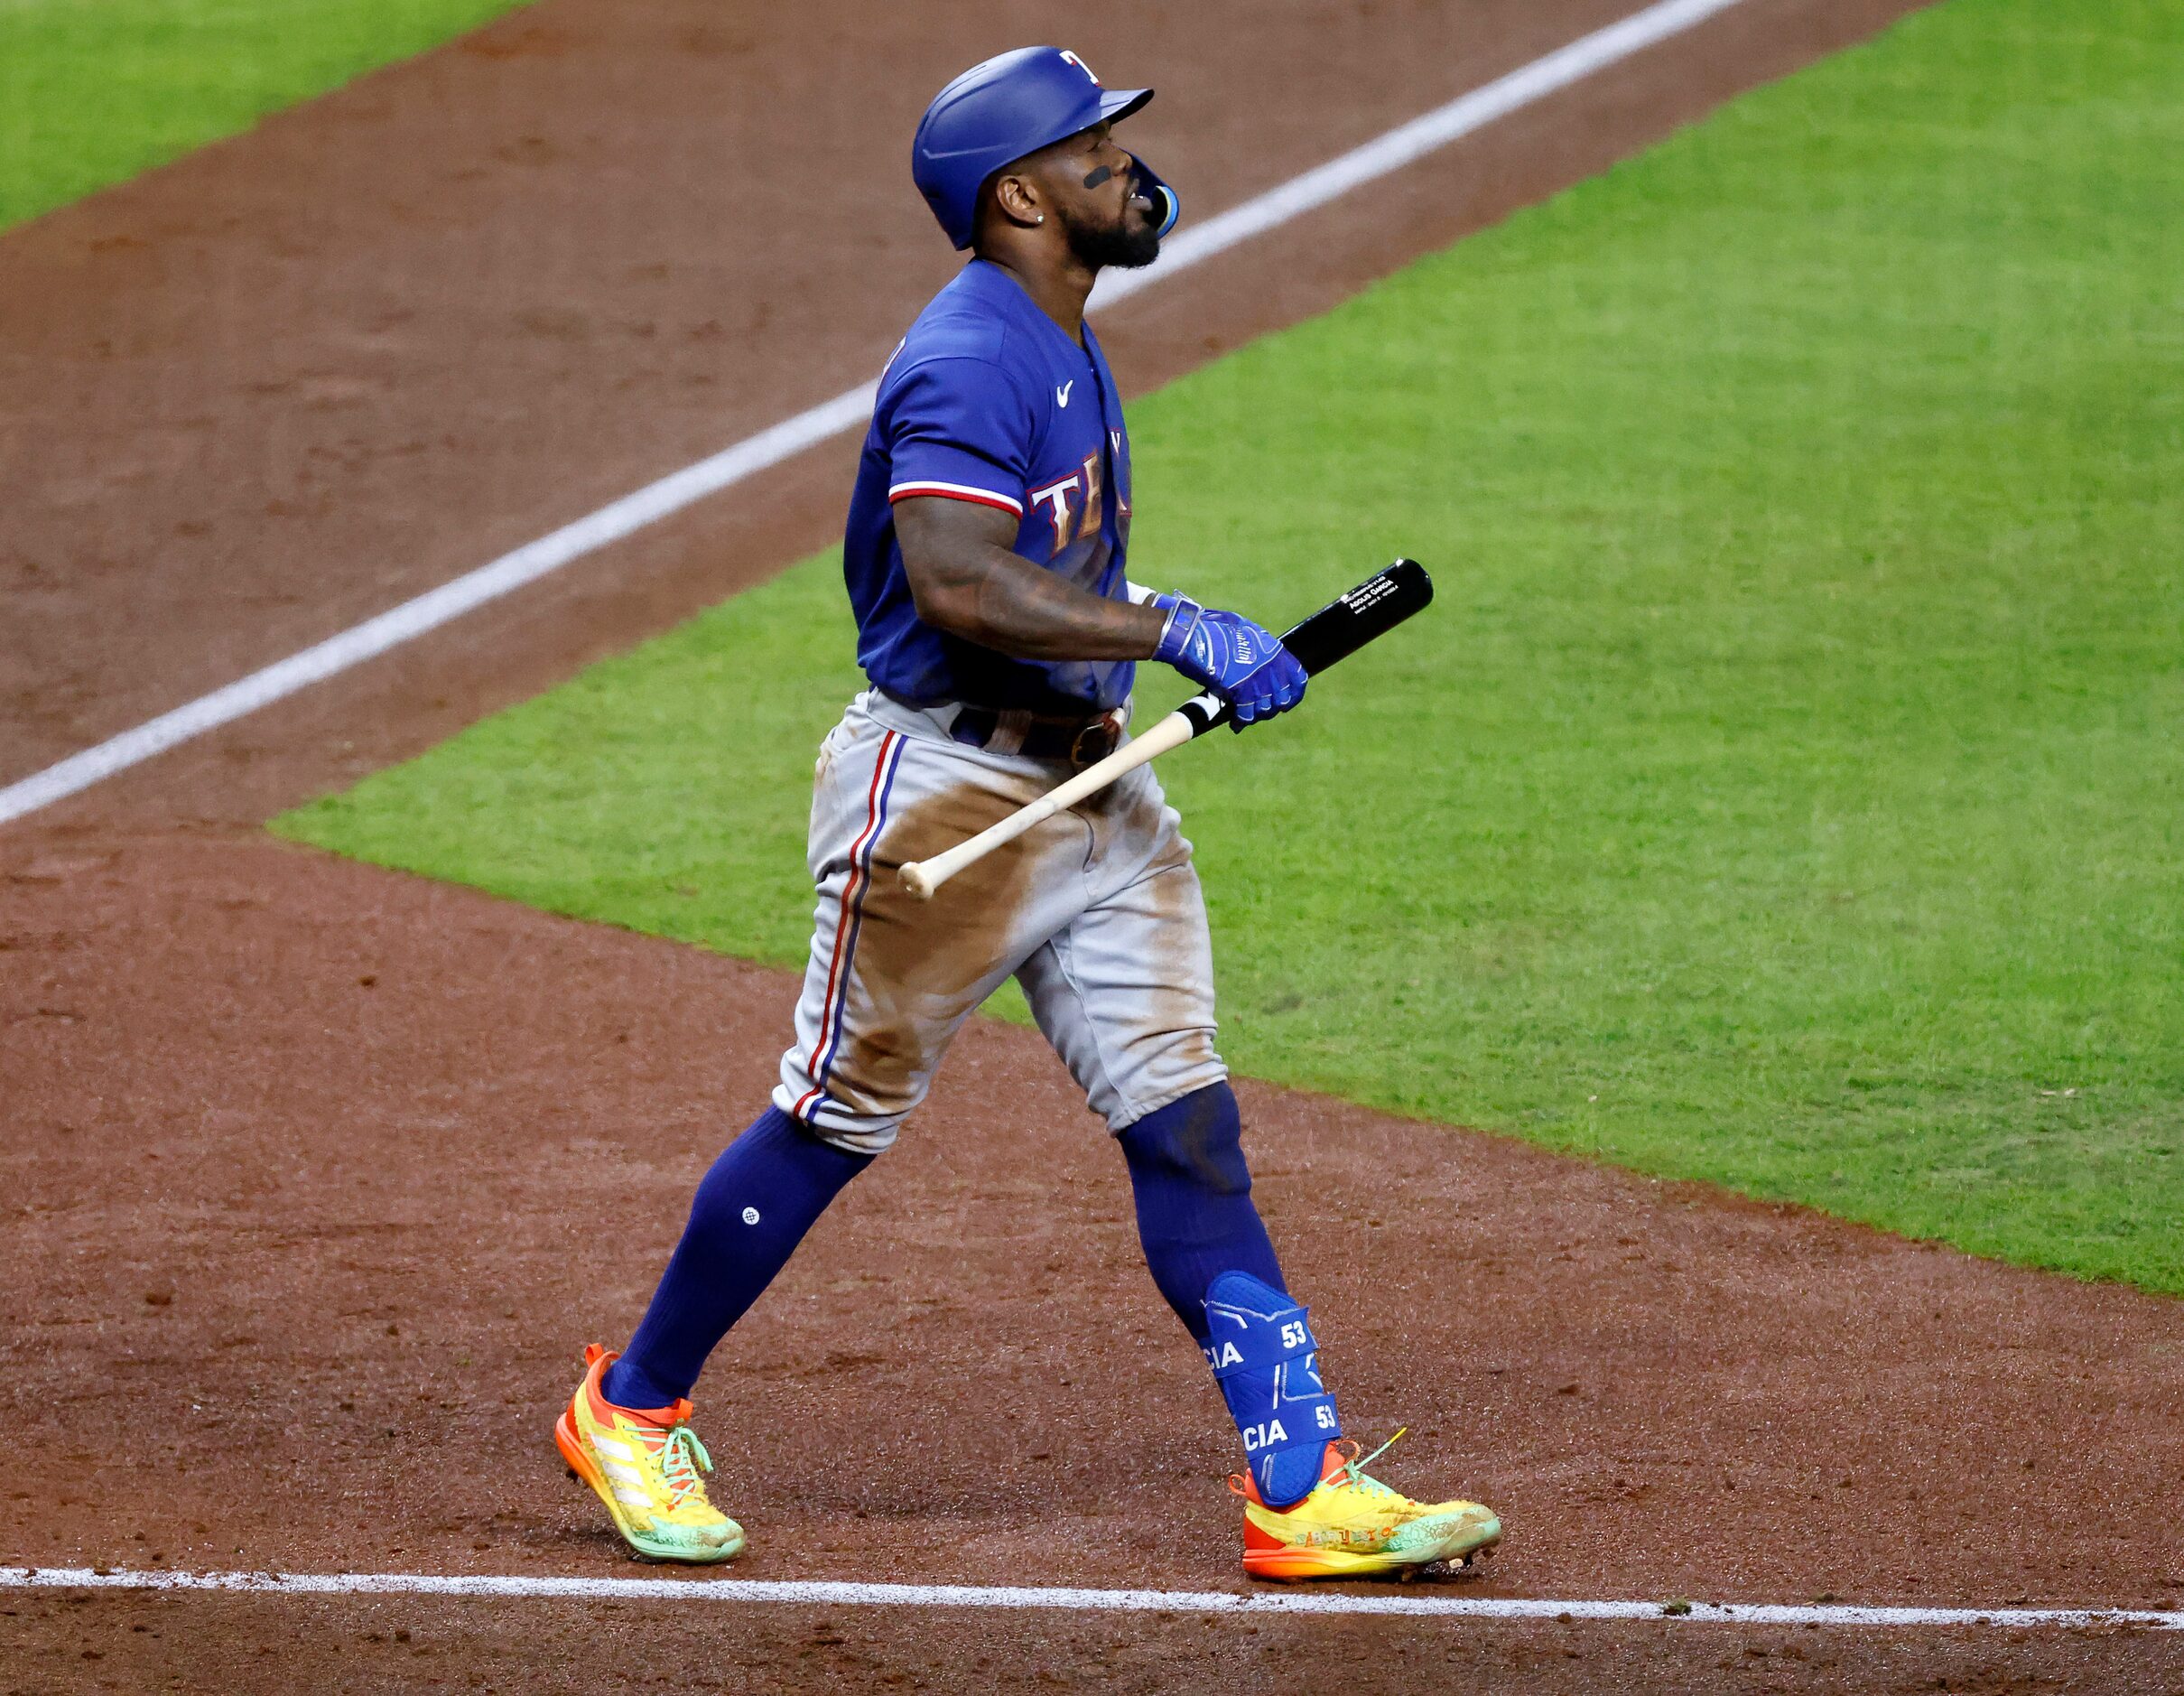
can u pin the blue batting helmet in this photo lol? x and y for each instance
(1013, 105)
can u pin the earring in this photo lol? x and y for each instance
(1042, 217)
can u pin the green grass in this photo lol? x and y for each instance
(94, 91)
(1787, 787)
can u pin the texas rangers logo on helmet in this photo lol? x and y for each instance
(1081, 66)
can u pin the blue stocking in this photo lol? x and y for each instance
(767, 1188)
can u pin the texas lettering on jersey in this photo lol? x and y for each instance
(1075, 504)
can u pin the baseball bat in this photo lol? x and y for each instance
(1334, 632)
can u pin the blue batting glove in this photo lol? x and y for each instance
(1225, 652)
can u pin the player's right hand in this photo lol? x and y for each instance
(1240, 661)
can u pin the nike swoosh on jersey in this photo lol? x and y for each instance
(1061, 392)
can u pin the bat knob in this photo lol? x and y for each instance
(917, 880)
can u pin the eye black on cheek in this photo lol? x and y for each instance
(1097, 175)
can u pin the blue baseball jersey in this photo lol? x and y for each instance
(989, 400)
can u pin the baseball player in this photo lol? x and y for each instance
(985, 555)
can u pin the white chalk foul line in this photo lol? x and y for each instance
(792, 1592)
(1400, 146)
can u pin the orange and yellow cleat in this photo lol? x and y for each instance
(1354, 1526)
(649, 1466)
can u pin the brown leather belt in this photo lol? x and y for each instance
(1081, 741)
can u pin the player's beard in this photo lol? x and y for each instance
(1129, 241)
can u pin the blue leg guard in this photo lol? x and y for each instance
(1267, 1363)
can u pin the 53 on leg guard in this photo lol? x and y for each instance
(1261, 1347)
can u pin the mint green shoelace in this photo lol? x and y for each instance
(682, 1458)
(1356, 1468)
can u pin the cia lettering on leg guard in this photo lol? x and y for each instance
(1267, 1362)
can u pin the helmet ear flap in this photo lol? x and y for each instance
(1167, 207)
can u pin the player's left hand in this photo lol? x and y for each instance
(1238, 660)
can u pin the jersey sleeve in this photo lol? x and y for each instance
(960, 428)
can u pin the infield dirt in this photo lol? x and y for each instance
(318, 1174)
(334, 1167)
